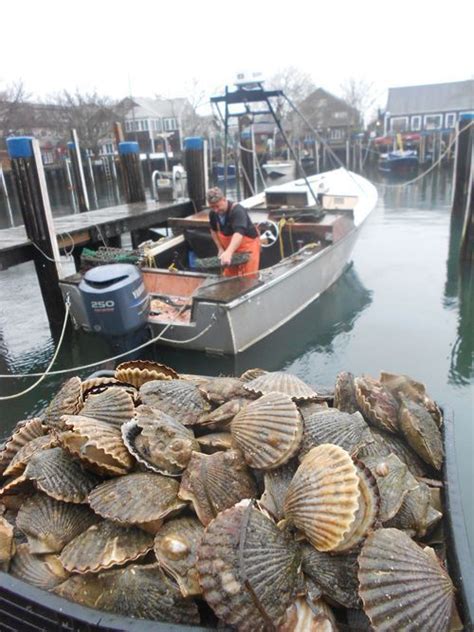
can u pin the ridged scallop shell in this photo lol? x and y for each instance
(344, 393)
(23, 433)
(42, 571)
(177, 398)
(68, 401)
(416, 515)
(305, 615)
(394, 480)
(403, 385)
(280, 382)
(376, 403)
(335, 574)
(223, 415)
(247, 569)
(268, 431)
(176, 545)
(323, 497)
(104, 545)
(97, 444)
(14, 492)
(276, 487)
(215, 441)
(221, 389)
(385, 443)
(114, 406)
(21, 458)
(140, 591)
(421, 432)
(251, 374)
(58, 475)
(50, 524)
(138, 372)
(97, 385)
(215, 482)
(402, 586)
(349, 431)
(141, 498)
(159, 442)
(7, 544)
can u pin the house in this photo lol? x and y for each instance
(156, 124)
(428, 108)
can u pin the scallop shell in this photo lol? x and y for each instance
(268, 431)
(223, 415)
(376, 403)
(97, 385)
(44, 571)
(159, 442)
(141, 498)
(251, 374)
(415, 515)
(403, 385)
(50, 524)
(21, 458)
(7, 543)
(68, 401)
(113, 406)
(104, 545)
(58, 475)
(215, 441)
(138, 372)
(344, 393)
(215, 482)
(310, 408)
(247, 569)
(177, 398)
(141, 591)
(421, 432)
(281, 382)
(402, 586)
(176, 545)
(334, 574)
(23, 433)
(15, 491)
(394, 481)
(97, 444)
(349, 431)
(221, 389)
(307, 616)
(323, 497)
(276, 486)
(386, 443)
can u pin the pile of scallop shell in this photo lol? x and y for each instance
(256, 503)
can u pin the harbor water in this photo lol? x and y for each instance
(405, 305)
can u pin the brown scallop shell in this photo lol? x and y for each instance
(60, 476)
(141, 498)
(215, 482)
(7, 544)
(345, 398)
(97, 385)
(50, 524)
(96, 443)
(280, 382)
(323, 497)
(276, 486)
(421, 432)
(215, 441)
(20, 460)
(68, 401)
(334, 574)
(42, 571)
(176, 545)
(113, 406)
(140, 591)
(159, 442)
(349, 431)
(268, 431)
(104, 545)
(247, 569)
(177, 398)
(14, 492)
(22, 434)
(305, 615)
(223, 415)
(221, 389)
(251, 374)
(376, 403)
(403, 385)
(138, 372)
(402, 586)
(416, 514)
(385, 443)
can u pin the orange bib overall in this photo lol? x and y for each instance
(247, 245)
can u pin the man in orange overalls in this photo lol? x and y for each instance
(232, 231)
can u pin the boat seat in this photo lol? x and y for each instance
(225, 289)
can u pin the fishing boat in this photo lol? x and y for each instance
(306, 245)
(279, 168)
(399, 161)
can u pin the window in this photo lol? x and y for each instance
(433, 121)
(336, 134)
(340, 115)
(399, 124)
(450, 120)
(416, 123)
(170, 124)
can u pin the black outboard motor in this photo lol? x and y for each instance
(117, 304)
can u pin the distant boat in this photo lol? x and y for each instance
(279, 168)
(399, 161)
(218, 171)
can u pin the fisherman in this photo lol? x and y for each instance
(232, 231)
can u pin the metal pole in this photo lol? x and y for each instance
(71, 185)
(91, 173)
(78, 169)
(226, 133)
(5, 190)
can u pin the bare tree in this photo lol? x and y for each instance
(297, 85)
(359, 94)
(15, 110)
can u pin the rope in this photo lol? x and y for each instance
(53, 359)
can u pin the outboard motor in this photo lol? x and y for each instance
(117, 303)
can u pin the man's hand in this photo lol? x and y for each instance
(225, 258)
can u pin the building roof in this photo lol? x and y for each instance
(145, 107)
(439, 97)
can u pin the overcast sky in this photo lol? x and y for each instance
(156, 47)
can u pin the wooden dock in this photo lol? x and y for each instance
(93, 227)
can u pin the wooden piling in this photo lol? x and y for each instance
(195, 165)
(131, 169)
(463, 194)
(35, 207)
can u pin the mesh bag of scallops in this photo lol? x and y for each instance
(252, 503)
